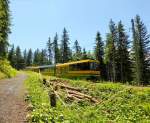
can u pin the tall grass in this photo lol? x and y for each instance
(119, 103)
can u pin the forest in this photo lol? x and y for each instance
(122, 58)
(122, 94)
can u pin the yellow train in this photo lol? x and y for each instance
(88, 69)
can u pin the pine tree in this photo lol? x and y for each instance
(78, 53)
(29, 58)
(4, 27)
(123, 58)
(110, 52)
(49, 48)
(84, 54)
(141, 45)
(20, 64)
(99, 54)
(36, 57)
(11, 56)
(25, 57)
(65, 50)
(56, 50)
(43, 58)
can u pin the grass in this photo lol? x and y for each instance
(119, 103)
(6, 71)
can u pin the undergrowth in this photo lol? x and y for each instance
(6, 71)
(119, 103)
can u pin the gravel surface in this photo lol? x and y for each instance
(12, 104)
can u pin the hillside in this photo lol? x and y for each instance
(84, 101)
(6, 71)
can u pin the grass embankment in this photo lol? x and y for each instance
(118, 103)
(6, 71)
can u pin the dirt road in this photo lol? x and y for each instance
(12, 105)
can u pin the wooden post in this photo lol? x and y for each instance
(52, 97)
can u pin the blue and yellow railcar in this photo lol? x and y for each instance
(78, 69)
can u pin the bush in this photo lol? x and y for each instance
(6, 70)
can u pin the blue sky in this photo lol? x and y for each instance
(33, 21)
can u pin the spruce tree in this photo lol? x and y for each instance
(25, 56)
(29, 58)
(141, 45)
(36, 57)
(49, 48)
(20, 64)
(43, 58)
(123, 58)
(99, 55)
(65, 50)
(12, 56)
(78, 53)
(56, 50)
(84, 54)
(4, 27)
(110, 52)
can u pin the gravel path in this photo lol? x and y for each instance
(12, 104)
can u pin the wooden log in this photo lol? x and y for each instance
(52, 97)
(71, 97)
(68, 87)
(81, 95)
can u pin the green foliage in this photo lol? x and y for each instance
(123, 57)
(6, 70)
(140, 51)
(4, 27)
(56, 49)
(29, 58)
(118, 103)
(65, 49)
(12, 56)
(20, 62)
(77, 55)
(49, 49)
(84, 54)
(110, 52)
(2, 75)
(99, 54)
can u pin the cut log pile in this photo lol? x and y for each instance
(72, 93)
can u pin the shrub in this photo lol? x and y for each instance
(6, 69)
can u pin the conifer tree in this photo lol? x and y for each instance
(36, 57)
(110, 52)
(12, 57)
(20, 64)
(49, 48)
(99, 54)
(84, 54)
(25, 56)
(4, 27)
(43, 58)
(141, 45)
(78, 53)
(65, 50)
(29, 58)
(56, 50)
(123, 58)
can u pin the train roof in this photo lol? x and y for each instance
(40, 67)
(61, 64)
(76, 62)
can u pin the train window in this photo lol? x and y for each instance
(94, 66)
(80, 66)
